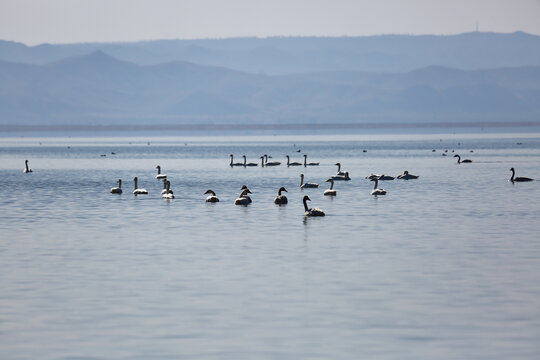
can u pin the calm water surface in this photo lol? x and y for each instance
(443, 267)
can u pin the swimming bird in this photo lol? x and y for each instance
(459, 161)
(519, 178)
(244, 187)
(380, 177)
(138, 191)
(248, 164)
(339, 172)
(331, 191)
(164, 191)
(212, 198)
(243, 199)
(26, 168)
(375, 190)
(311, 211)
(309, 164)
(306, 185)
(168, 195)
(117, 190)
(234, 164)
(270, 163)
(289, 163)
(407, 176)
(159, 175)
(344, 177)
(281, 199)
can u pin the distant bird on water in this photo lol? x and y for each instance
(234, 164)
(243, 199)
(117, 190)
(311, 211)
(331, 191)
(270, 163)
(138, 191)
(306, 185)
(309, 164)
(212, 198)
(289, 163)
(459, 161)
(281, 199)
(159, 175)
(26, 168)
(248, 164)
(169, 194)
(407, 176)
(165, 191)
(519, 178)
(377, 191)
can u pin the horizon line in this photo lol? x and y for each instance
(266, 37)
(274, 127)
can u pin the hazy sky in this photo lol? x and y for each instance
(65, 21)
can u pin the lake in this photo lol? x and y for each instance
(442, 267)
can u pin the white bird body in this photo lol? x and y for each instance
(289, 163)
(117, 190)
(138, 191)
(306, 185)
(331, 191)
(311, 211)
(212, 198)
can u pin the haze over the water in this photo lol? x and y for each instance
(71, 21)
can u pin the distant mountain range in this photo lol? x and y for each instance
(385, 79)
(291, 55)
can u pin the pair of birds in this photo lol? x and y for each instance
(280, 199)
(289, 163)
(136, 190)
(244, 198)
(404, 176)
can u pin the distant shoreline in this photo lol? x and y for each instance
(254, 127)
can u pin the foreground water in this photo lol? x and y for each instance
(443, 267)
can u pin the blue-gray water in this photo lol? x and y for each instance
(443, 267)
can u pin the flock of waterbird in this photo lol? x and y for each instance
(244, 198)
